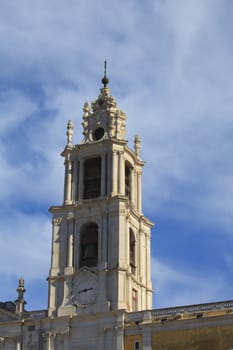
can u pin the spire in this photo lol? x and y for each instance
(102, 119)
(105, 78)
(20, 302)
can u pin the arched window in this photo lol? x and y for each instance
(92, 178)
(132, 251)
(89, 245)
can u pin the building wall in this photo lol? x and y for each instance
(131, 340)
(206, 338)
(161, 329)
(201, 338)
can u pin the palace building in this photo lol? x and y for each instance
(99, 284)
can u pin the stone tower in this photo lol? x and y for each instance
(101, 240)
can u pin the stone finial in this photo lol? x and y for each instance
(86, 115)
(20, 302)
(137, 145)
(21, 288)
(86, 109)
(69, 133)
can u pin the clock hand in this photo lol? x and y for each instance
(84, 290)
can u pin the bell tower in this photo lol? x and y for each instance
(101, 240)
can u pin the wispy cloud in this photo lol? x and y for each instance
(189, 288)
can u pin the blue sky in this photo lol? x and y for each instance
(170, 69)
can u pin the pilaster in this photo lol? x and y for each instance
(81, 182)
(68, 180)
(139, 188)
(146, 338)
(103, 175)
(121, 173)
(114, 173)
(119, 333)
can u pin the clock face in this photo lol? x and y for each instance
(85, 288)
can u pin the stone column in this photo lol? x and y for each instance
(55, 246)
(67, 307)
(2, 341)
(121, 173)
(52, 296)
(63, 336)
(142, 256)
(54, 263)
(133, 188)
(127, 240)
(18, 344)
(68, 181)
(119, 331)
(103, 175)
(66, 342)
(69, 265)
(49, 340)
(148, 269)
(108, 174)
(65, 182)
(114, 173)
(81, 180)
(70, 237)
(75, 180)
(102, 248)
(67, 293)
(146, 338)
(119, 337)
(101, 342)
(70, 254)
(139, 187)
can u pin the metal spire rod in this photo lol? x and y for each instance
(105, 67)
(105, 78)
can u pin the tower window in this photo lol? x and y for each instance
(137, 345)
(89, 246)
(92, 178)
(98, 134)
(128, 180)
(132, 251)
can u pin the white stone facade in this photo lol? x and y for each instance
(102, 331)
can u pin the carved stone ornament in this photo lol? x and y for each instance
(52, 334)
(57, 220)
(70, 216)
(103, 120)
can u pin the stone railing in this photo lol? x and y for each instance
(222, 305)
(148, 315)
(35, 314)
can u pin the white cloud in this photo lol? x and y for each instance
(24, 251)
(25, 242)
(15, 108)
